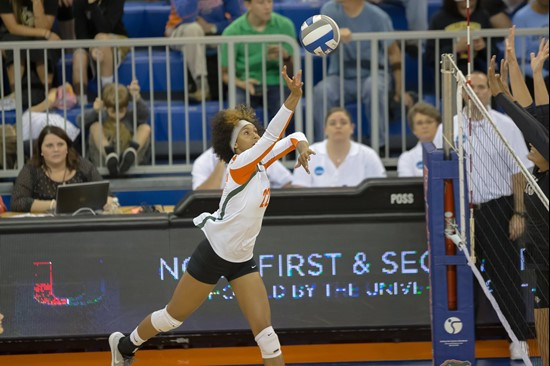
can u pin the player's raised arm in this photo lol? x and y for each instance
(247, 160)
(295, 86)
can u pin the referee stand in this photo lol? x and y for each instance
(451, 279)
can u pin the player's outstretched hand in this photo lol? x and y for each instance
(304, 155)
(491, 75)
(538, 60)
(295, 84)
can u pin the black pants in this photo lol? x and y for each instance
(501, 261)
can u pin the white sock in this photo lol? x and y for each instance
(135, 338)
(106, 80)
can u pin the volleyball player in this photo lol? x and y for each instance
(232, 230)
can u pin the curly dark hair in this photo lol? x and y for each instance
(222, 127)
(37, 159)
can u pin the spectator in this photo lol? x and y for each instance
(512, 6)
(452, 17)
(54, 162)
(101, 20)
(533, 15)
(26, 20)
(339, 161)
(259, 20)
(498, 16)
(37, 117)
(8, 146)
(208, 173)
(356, 16)
(423, 120)
(416, 12)
(197, 18)
(117, 129)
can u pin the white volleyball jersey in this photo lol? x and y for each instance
(410, 163)
(361, 163)
(204, 165)
(233, 228)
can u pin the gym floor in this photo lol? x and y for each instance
(489, 353)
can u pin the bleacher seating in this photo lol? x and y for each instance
(147, 19)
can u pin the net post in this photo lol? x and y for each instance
(447, 86)
(453, 327)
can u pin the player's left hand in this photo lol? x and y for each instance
(517, 226)
(304, 155)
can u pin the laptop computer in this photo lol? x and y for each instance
(73, 197)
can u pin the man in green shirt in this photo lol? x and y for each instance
(259, 20)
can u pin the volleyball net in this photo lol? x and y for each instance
(503, 215)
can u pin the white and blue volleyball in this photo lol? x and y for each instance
(320, 35)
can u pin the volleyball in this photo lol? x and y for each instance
(320, 35)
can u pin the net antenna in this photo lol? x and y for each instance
(458, 235)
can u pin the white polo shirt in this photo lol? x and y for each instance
(493, 166)
(361, 162)
(410, 163)
(204, 165)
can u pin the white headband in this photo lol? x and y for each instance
(238, 127)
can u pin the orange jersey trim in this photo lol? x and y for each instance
(288, 150)
(241, 175)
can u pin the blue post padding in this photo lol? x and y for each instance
(453, 332)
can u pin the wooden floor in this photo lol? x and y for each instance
(250, 355)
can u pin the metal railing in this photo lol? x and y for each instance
(148, 44)
(175, 156)
(380, 119)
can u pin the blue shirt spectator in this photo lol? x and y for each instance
(532, 15)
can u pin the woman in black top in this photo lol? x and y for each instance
(452, 17)
(29, 20)
(54, 162)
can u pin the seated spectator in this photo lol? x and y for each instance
(339, 161)
(8, 144)
(197, 18)
(532, 15)
(416, 12)
(103, 137)
(54, 162)
(259, 20)
(101, 20)
(423, 120)
(417, 19)
(37, 117)
(452, 17)
(209, 172)
(357, 16)
(23, 20)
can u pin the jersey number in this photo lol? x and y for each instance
(265, 201)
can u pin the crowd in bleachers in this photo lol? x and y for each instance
(116, 118)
